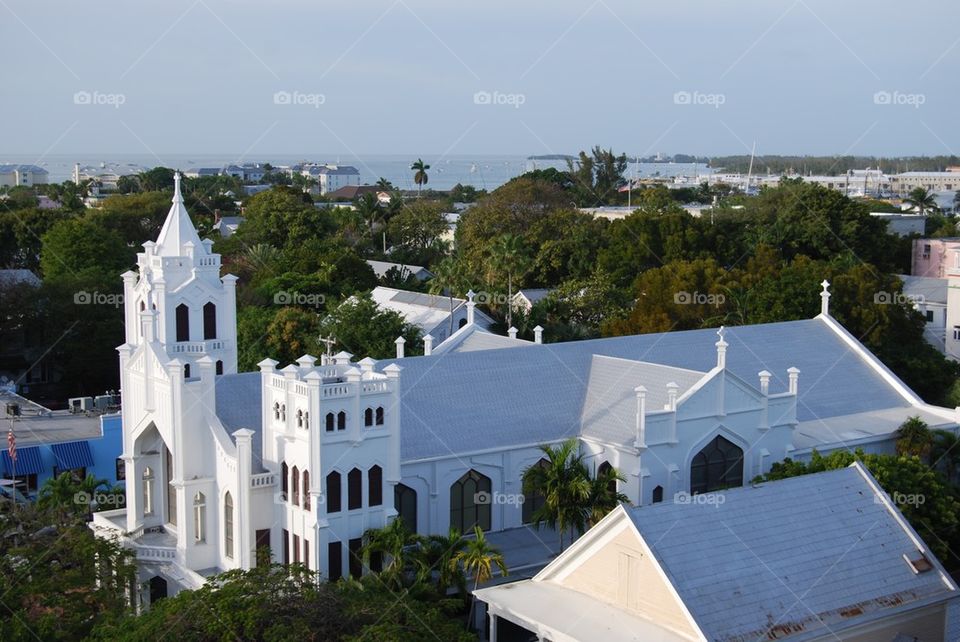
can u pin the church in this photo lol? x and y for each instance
(301, 459)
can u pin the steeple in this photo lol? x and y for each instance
(178, 229)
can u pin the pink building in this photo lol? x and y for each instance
(934, 257)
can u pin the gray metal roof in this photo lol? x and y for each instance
(460, 402)
(12, 167)
(795, 558)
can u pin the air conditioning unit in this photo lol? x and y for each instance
(102, 402)
(80, 404)
(13, 409)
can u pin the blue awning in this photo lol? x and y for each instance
(28, 461)
(73, 454)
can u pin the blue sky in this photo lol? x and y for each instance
(408, 77)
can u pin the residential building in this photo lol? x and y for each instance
(305, 458)
(826, 556)
(929, 298)
(525, 299)
(935, 257)
(330, 178)
(350, 192)
(431, 313)
(22, 175)
(903, 224)
(933, 181)
(50, 442)
(418, 272)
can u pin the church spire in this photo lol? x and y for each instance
(178, 229)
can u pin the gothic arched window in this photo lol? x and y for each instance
(379, 415)
(719, 465)
(341, 420)
(199, 517)
(658, 494)
(276, 410)
(295, 485)
(368, 417)
(299, 418)
(306, 490)
(470, 502)
(209, 321)
(228, 525)
(375, 486)
(605, 469)
(329, 422)
(219, 370)
(186, 371)
(532, 502)
(354, 489)
(284, 480)
(333, 492)
(405, 502)
(182, 318)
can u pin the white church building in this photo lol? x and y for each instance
(302, 459)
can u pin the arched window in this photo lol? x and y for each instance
(276, 410)
(199, 517)
(341, 420)
(380, 415)
(219, 370)
(405, 502)
(605, 469)
(299, 418)
(295, 485)
(333, 492)
(143, 306)
(354, 489)
(719, 465)
(368, 417)
(228, 525)
(283, 412)
(284, 480)
(306, 490)
(470, 502)
(148, 491)
(186, 371)
(375, 486)
(182, 314)
(306, 420)
(462, 323)
(532, 502)
(329, 422)
(658, 494)
(209, 321)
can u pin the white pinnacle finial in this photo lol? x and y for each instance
(177, 197)
(721, 348)
(825, 299)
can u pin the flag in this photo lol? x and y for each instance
(12, 446)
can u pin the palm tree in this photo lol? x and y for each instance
(420, 174)
(385, 185)
(565, 487)
(64, 494)
(448, 279)
(914, 438)
(921, 199)
(478, 559)
(391, 542)
(368, 206)
(509, 256)
(604, 496)
(435, 554)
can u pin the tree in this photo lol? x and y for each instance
(509, 256)
(365, 330)
(478, 559)
(417, 232)
(604, 496)
(435, 554)
(391, 542)
(292, 333)
(158, 178)
(420, 173)
(945, 454)
(83, 250)
(68, 497)
(449, 280)
(914, 438)
(385, 185)
(128, 184)
(922, 200)
(565, 487)
(284, 218)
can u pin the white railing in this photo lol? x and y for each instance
(374, 386)
(331, 391)
(197, 347)
(156, 553)
(262, 480)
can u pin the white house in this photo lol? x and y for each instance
(527, 298)
(22, 175)
(381, 268)
(826, 556)
(429, 312)
(929, 297)
(302, 459)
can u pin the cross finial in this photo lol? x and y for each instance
(825, 299)
(329, 342)
(177, 197)
(721, 332)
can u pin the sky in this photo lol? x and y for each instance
(467, 77)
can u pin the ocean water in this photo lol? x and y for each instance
(481, 171)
